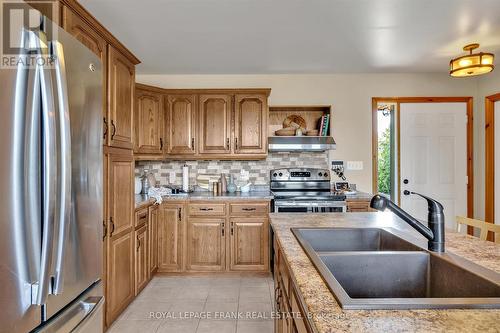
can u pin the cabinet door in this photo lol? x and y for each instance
(121, 86)
(181, 124)
(141, 258)
(170, 234)
(120, 289)
(153, 238)
(120, 194)
(206, 244)
(148, 122)
(89, 37)
(249, 246)
(250, 124)
(215, 124)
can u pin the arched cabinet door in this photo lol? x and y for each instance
(181, 124)
(250, 124)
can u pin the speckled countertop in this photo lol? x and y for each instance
(327, 316)
(144, 200)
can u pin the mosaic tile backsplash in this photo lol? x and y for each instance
(258, 170)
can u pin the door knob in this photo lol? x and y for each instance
(406, 192)
(405, 181)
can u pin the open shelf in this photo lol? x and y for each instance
(311, 113)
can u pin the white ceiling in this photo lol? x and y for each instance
(298, 36)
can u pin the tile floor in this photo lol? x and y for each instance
(204, 304)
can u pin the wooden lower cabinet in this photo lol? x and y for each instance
(290, 317)
(206, 239)
(120, 277)
(170, 237)
(249, 244)
(153, 238)
(141, 258)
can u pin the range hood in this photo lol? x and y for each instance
(301, 143)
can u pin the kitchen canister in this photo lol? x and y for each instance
(138, 185)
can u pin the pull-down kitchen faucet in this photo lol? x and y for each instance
(434, 233)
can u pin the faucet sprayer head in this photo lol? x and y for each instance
(378, 202)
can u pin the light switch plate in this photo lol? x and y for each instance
(354, 165)
(171, 177)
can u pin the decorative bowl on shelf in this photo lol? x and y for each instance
(289, 131)
(313, 132)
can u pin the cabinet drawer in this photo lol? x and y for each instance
(204, 209)
(141, 217)
(249, 208)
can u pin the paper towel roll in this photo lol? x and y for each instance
(185, 178)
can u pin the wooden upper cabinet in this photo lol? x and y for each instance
(121, 87)
(181, 124)
(148, 123)
(250, 124)
(89, 37)
(215, 124)
(170, 235)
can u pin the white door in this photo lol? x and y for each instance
(433, 156)
(497, 163)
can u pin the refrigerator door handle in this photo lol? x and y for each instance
(63, 202)
(48, 168)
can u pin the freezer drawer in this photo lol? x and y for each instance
(84, 315)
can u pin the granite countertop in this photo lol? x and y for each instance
(328, 316)
(144, 200)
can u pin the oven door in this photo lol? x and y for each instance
(288, 206)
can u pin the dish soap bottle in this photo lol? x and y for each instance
(145, 182)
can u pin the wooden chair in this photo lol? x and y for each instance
(484, 227)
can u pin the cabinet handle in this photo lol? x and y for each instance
(179, 214)
(236, 143)
(161, 143)
(138, 244)
(248, 209)
(222, 229)
(232, 227)
(112, 226)
(114, 129)
(192, 143)
(206, 209)
(227, 143)
(105, 128)
(104, 230)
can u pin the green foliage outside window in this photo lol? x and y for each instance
(384, 162)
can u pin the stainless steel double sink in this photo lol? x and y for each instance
(372, 268)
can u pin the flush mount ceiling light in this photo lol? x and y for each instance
(472, 64)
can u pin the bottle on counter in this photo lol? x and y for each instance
(231, 187)
(145, 182)
(223, 183)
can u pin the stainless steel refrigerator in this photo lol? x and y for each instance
(51, 177)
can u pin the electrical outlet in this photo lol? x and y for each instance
(171, 177)
(336, 165)
(354, 165)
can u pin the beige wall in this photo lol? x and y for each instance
(350, 96)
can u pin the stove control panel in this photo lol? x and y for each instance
(300, 175)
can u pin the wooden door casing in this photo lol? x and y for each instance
(170, 237)
(148, 120)
(205, 244)
(250, 124)
(215, 113)
(249, 245)
(120, 289)
(141, 258)
(181, 124)
(121, 87)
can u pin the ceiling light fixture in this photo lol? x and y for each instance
(472, 64)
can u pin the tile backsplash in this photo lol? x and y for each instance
(259, 170)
